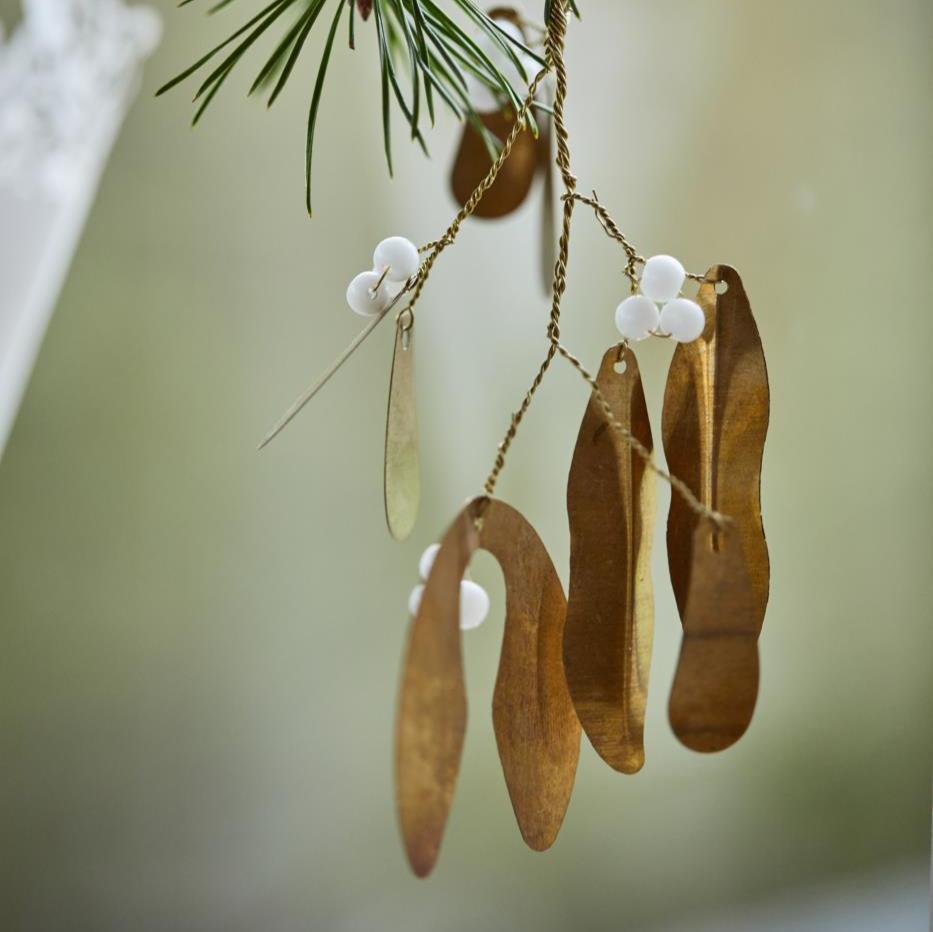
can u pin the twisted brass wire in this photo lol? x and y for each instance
(436, 247)
(554, 61)
(685, 491)
(554, 45)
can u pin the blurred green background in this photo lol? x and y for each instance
(200, 644)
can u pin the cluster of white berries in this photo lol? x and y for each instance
(640, 316)
(474, 600)
(394, 262)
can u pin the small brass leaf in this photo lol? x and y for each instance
(402, 477)
(472, 163)
(610, 611)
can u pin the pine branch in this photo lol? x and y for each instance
(420, 36)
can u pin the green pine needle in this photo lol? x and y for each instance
(422, 37)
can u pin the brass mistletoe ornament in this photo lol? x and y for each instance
(577, 662)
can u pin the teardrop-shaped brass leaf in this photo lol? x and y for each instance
(610, 610)
(716, 683)
(472, 164)
(537, 731)
(716, 408)
(431, 718)
(402, 477)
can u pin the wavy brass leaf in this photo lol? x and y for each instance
(610, 611)
(716, 409)
(716, 683)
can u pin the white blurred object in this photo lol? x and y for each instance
(482, 98)
(67, 76)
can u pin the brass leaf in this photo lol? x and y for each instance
(610, 611)
(716, 408)
(431, 718)
(716, 683)
(402, 476)
(537, 731)
(472, 163)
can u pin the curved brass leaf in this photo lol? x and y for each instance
(716, 408)
(402, 475)
(431, 719)
(610, 610)
(472, 163)
(537, 731)
(716, 683)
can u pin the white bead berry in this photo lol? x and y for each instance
(427, 561)
(683, 319)
(636, 317)
(662, 278)
(361, 297)
(414, 600)
(474, 605)
(401, 257)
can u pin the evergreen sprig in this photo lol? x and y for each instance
(421, 48)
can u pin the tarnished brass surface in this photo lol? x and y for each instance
(402, 477)
(537, 731)
(716, 683)
(610, 610)
(716, 408)
(472, 162)
(431, 719)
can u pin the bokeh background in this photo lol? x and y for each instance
(200, 644)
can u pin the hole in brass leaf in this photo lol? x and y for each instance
(620, 366)
(722, 287)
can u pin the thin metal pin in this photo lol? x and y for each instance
(357, 341)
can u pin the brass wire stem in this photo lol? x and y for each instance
(612, 230)
(554, 61)
(417, 282)
(685, 491)
(556, 36)
(438, 246)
